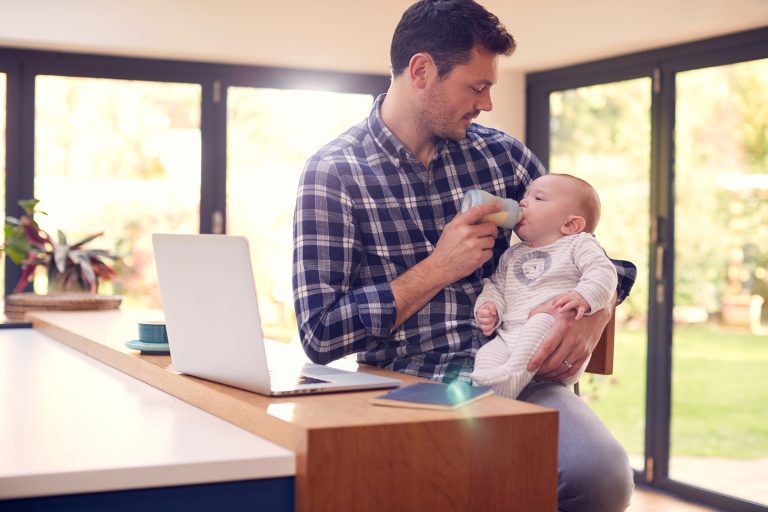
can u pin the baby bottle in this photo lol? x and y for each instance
(509, 215)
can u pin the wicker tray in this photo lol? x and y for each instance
(17, 304)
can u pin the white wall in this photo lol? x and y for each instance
(508, 112)
(348, 35)
(244, 32)
(328, 34)
(354, 35)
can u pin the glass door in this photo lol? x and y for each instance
(719, 413)
(602, 133)
(270, 135)
(119, 156)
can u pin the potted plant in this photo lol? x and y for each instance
(70, 267)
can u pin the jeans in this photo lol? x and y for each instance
(593, 472)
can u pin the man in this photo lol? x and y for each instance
(385, 266)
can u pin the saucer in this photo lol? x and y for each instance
(148, 348)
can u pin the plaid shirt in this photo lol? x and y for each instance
(368, 210)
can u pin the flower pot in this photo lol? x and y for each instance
(741, 310)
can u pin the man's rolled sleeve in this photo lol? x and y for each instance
(334, 325)
(376, 308)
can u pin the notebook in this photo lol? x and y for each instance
(213, 323)
(427, 395)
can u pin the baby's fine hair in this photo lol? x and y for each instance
(588, 201)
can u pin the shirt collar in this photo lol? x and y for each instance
(387, 140)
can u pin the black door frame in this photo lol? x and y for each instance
(661, 66)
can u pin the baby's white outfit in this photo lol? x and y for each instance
(526, 277)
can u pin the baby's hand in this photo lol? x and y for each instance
(487, 318)
(571, 301)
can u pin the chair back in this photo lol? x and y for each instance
(602, 357)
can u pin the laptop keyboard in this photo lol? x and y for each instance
(291, 381)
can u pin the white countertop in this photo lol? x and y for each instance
(69, 424)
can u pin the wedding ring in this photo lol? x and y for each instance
(566, 363)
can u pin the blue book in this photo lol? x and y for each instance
(427, 395)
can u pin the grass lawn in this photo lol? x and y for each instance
(719, 392)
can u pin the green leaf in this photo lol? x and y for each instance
(101, 253)
(87, 239)
(29, 205)
(86, 269)
(16, 244)
(60, 254)
(62, 238)
(16, 255)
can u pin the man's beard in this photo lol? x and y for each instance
(435, 117)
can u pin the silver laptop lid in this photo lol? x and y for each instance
(209, 300)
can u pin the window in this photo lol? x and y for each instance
(270, 135)
(118, 156)
(136, 146)
(602, 133)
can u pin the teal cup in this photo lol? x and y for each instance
(153, 332)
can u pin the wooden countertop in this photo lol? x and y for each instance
(101, 335)
(494, 454)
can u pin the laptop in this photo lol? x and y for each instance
(214, 329)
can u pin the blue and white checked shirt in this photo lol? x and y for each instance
(368, 210)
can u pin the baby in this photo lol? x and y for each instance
(560, 262)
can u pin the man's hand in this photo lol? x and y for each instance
(487, 318)
(568, 345)
(464, 245)
(544, 307)
(571, 301)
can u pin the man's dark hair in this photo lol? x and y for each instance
(447, 30)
